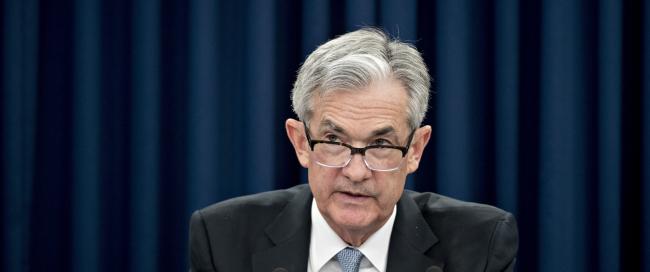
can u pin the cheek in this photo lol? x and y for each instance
(321, 181)
(391, 186)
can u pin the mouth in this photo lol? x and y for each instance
(353, 196)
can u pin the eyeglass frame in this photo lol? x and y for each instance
(360, 150)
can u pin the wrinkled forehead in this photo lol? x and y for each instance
(376, 109)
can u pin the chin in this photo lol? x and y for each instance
(354, 220)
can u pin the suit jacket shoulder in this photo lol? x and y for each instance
(468, 236)
(239, 234)
(270, 232)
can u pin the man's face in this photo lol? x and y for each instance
(355, 198)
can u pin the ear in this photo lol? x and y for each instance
(420, 140)
(296, 133)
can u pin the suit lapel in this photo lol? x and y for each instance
(289, 234)
(410, 239)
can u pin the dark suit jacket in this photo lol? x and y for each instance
(270, 232)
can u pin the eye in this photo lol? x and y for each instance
(332, 138)
(381, 141)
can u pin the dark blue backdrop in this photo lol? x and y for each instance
(118, 118)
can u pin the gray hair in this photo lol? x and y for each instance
(357, 59)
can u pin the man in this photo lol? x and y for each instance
(360, 99)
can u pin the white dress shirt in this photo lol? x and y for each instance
(325, 243)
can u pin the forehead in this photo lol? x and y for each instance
(377, 106)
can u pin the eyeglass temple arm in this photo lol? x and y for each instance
(309, 141)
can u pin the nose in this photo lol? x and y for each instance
(356, 170)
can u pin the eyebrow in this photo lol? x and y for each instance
(383, 131)
(327, 124)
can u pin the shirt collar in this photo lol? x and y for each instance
(325, 243)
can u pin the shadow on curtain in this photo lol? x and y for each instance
(119, 118)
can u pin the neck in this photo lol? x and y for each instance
(354, 239)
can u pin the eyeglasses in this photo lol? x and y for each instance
(334, 154)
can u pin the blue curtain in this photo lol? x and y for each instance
(119, 118)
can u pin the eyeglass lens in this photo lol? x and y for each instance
(335, 155)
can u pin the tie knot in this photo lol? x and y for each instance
(349, 258)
